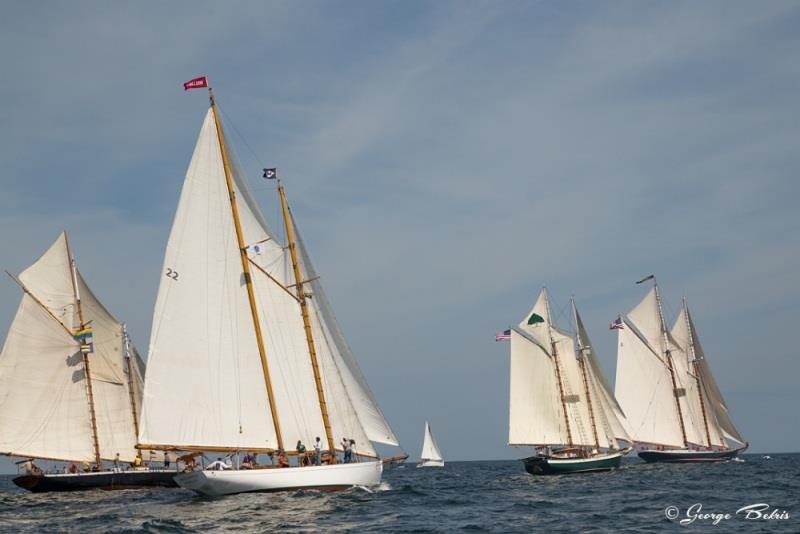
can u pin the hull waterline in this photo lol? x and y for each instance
(549, 465)
(106, 480)
(688, 456)
(323, 477)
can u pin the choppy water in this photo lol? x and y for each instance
(464, 496)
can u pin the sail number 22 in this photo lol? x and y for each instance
(172, 274)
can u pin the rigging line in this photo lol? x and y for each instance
(236, 130)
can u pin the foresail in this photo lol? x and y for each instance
(204, 385)
(44, 411)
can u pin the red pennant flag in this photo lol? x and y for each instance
(197, 83)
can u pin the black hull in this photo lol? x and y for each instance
(688, 456)
(106, 480)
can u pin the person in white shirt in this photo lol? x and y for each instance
(219, 465)
(317, 452)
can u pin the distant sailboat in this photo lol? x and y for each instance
(246, 354)
(431, 456)
(70, 383)
(560, 401)
(674, 407)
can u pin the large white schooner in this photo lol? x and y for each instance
(560, 401)
(674, 407)
(245, 353)
(70, 383)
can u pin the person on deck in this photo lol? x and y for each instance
(137, 462)
(283, 461)
(348, 451)
(73, 469)
(85, 466)
(166, 460)
(116, 461)
(317, 451)
(301, 453)
(219, 465)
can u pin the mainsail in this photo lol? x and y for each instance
(204, 362)
(550, 402)
(44, 407)
(430, 450)
(712, 406)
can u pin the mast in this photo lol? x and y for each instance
(301, 296)
(696, 369)
(583, 350)
(558, 369)
(246, 270)
(131, 382)
(86, 368)
(670, 363)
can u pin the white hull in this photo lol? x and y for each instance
(327, 477)
(431, 463)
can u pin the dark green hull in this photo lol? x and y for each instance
(548, 465)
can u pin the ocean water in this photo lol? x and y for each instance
(491, 496)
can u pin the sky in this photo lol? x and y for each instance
(444, 161)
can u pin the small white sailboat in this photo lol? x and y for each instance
(246, 354)
(664, 383)
(431, 456)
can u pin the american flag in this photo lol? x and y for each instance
(617, 325)
(505, 335)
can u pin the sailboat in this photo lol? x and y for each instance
(431, 456)
(675, 409)
(560, 400)
(246, 354)
(70, 384)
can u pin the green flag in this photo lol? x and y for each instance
(535, 318)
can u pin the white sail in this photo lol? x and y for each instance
(720, 424)
(44, 412)
(213, 377)
(610, 420)
(205, 385)
(330, 337)
(112, 400)
(430, 450)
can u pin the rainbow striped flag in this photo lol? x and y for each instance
(83, 333)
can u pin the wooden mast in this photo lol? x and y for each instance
(696, 370)
(670, 363)
(86, 367)
(301, 296)
(558, 370)
(246, 270)
(131, 382)
(582, 350)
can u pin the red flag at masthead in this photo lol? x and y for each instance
(196, 83)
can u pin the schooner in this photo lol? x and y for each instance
(675, 409)
(560, 400)
(245, 354)
(70, 383)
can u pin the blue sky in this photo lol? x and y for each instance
(444, 161)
